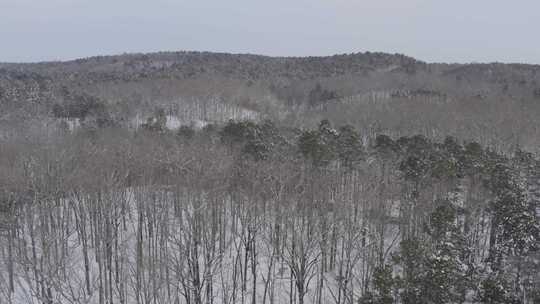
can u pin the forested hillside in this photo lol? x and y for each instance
(206, 178)
(494, 104)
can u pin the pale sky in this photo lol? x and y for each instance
(429, 30)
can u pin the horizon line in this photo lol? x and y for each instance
(187, 51)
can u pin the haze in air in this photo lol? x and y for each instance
(284, 152)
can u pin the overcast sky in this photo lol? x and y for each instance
(430, 30)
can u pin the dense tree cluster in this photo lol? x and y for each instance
(78, 106)
(252, 212)
(319, 96)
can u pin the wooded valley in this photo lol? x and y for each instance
(206, 178)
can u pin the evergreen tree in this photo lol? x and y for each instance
(383, 283)
(349, 147)
(496, 289)
(515, 227)
(446, 272)
(411, 258)
(319, 145)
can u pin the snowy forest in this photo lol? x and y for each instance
(213, 178)
(256, 212)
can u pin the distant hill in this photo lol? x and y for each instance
(203, 86)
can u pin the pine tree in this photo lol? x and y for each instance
(319, 145)
(383, 283)
(445, 279)
(411, 258)
(496, 289)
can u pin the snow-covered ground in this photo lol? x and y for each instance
(138, 245)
